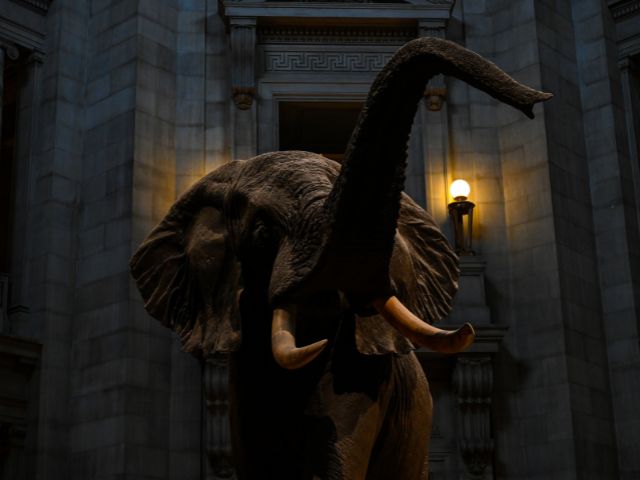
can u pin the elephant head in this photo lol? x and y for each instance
(286, 228)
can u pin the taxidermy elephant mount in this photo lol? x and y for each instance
(318, 279)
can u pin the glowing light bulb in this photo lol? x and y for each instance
(459, 190)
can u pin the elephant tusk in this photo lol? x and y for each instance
(283, 342)
(421, 333)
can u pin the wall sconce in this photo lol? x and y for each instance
(461, 213)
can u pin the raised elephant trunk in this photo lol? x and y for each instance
(360, 215)
(362, 209)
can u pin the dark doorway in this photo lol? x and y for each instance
(320, 127)
(8, 136)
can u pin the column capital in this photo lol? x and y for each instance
(10, 49)
(35, 56)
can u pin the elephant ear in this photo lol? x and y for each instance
(424, 273)
(189, 278)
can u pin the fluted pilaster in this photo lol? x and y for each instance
(217, 431)
(243, 47)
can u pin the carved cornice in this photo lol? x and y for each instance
(20, 35)
(340, 1)
(629, 47)
(624, 8)
(336, 35)
(337, 10)
(40, 6)
(333, 62)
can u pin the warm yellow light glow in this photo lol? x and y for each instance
(460, 189)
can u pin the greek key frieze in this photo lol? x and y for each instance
(325, 61)
(336, 35)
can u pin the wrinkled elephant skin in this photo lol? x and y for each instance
(312, 275)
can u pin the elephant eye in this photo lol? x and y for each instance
(265, 232)
(260, 229)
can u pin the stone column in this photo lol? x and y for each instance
(27, 142)
(628, 66)
(243, 47)
(8, 50)
(217, 431)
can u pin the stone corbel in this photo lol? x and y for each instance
(243, 47)
(217, 434)
(436, 92)
(473, 385)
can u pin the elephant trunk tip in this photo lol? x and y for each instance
(538, 97)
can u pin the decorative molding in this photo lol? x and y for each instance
(629, 47)
(473, 385)
(339, 1)
(624, 8)
(336, 35)
(40, 6)
(20, 35)
(217, 429)
(334, 10)
(317, 61)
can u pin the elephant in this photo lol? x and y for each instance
(318, 279)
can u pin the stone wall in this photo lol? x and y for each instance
(49, 265)
(129, 103)
(615, 220)
(548, 287)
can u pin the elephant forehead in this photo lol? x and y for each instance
(293, 182)
(292, 171)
